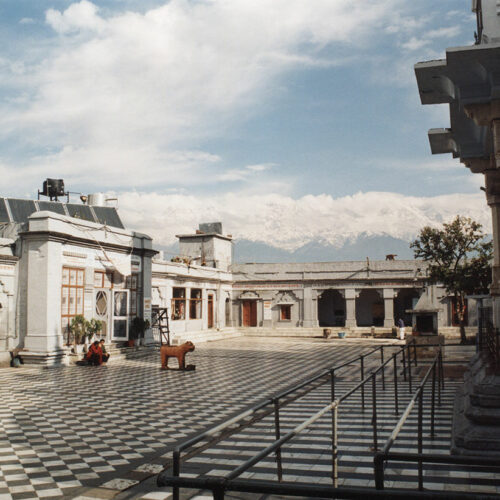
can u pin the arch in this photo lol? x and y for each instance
(331, 308)
(370, 308)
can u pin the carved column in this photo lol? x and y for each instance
(350, 307)
(388, 294)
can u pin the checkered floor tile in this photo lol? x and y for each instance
(65, 428)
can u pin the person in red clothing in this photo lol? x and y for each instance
(94, 354)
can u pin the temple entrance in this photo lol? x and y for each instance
(249, 313)
(405, 300)
(370, 308)
(331, 309)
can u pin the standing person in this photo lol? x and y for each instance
(401, 326)
(94, 354)
(105, 354)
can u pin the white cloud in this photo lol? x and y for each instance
(116, 94)
(289, 223)
(27, 20)
(77, 17)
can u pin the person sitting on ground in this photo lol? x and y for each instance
(94, 354)
(105, 354)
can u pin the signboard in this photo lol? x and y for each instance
(268, 313)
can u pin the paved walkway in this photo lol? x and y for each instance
(90, 432)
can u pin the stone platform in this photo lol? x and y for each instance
(476, 422)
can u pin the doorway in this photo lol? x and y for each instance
(210, 322)
(249, 313)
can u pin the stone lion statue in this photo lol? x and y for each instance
(175, 351)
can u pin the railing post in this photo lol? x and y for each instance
(335, 471)
(383, 367)
(404, 364)
(277, 434)
(218, 492)
(415, 351)
(442, 368)
(433, 397)
(332, 384)
(420, 441)
(362, 359)
(409, 372)
(378, 465)
(176, 472)
(395, 384)
(374, 411)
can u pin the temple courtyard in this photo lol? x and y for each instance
(107, 431)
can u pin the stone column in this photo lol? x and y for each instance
(350, 307)
(310, 320)
(388, 294)
(43, 308)
(488, 115)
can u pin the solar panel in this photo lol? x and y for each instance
(52, 206)
(4, 216)
(80, 212)
(21, 209)
(108, 216)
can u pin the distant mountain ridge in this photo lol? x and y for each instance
(375, 247)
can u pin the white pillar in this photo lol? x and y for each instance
(350, 307)
(388, 294)
(43, 308)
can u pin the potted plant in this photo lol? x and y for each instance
(78, 327)
(94, 326)
(138, 328)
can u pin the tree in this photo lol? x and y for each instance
(459, 258)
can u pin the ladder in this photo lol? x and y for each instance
(160, 321)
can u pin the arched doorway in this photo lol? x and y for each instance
(370, 308)
(331, 308)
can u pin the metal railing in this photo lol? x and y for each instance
(436, 371)
(275, 402)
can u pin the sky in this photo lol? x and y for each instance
(287, 120)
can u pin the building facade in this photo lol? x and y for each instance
(55, 266)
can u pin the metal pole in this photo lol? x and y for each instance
(383, 367)
(415, 351)
(334, 432)
(442, 368)
(218, 493)
(363, 386)
(335, 470)
(433, 398)
(396, 405)
(404, 364)
(378, 465)
(374, 412)
(420, 443)
(409, 372)
(278, 435)
(176, 472)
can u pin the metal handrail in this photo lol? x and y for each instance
(253, 410)
(280, 440)
(381, 457)
(219, 486)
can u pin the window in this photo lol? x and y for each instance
(73, 281)
(285, 312)
(195, 304)
(103, 279)
(132, 284)
(178, 303)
